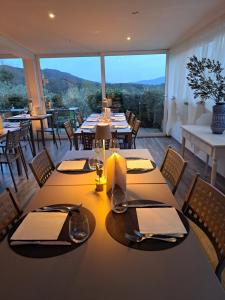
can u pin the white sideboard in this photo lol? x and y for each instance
(211, 144)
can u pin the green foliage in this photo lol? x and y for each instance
(6, 76)
(57, 101)
(205, 79)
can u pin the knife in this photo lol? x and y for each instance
(146, 205)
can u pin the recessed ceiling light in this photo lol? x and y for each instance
(128, 38)
(51, 15)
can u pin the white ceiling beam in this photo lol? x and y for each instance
(15, 49)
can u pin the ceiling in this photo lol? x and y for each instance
(91, 26)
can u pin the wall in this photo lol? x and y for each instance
(182, 107)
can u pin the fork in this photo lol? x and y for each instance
(176, 235)
(138, 239)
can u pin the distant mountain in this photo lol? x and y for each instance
(59, 82)
(155, 81)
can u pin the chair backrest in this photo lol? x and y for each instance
(7, 114)
(172, 167)
(54, 119)
(24, 129)
(69, 130)
(127, 115)
(131, 119)
(87, 140)
(205, 206)
(80, 119)
(42, 167)
(12, 140)
(136, 126)
(9, 212)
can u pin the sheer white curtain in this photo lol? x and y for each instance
(182, 107)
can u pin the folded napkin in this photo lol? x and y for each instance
(133, 164)
(163, 220)
(116, 172)
(71, 165)
(87, 126)
(40, 227)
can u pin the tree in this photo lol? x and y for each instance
(6, 76)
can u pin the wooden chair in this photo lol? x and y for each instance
(172, 168)
(131, 119)
(9, 212)
(127, 115)
(205, 206)
(52, 129)
(135, 129)
(25, 135)
(42, 167)
(12, 152)
(69, 131)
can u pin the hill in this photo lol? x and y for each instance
(155, 81)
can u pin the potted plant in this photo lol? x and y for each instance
(206, 80)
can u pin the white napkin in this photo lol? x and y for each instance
(71, 165)
(159, 221)
(139, 164)
(39, 226)
(90, 119)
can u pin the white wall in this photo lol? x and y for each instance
(210, 43)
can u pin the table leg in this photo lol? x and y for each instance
(18, 164)
(183, 146)
(206, 165)
(32, 139)
(214, 168)
(42, 133)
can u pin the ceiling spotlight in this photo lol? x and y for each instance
(51, 15)
(128, 38)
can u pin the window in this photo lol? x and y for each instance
(72, 82)
(137, 83)
(13, 94)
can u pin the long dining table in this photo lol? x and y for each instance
(118, 124)
(101, 268)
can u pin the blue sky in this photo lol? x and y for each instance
(129, 68)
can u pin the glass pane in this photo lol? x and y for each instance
(137, 83)
(72, 82)
(13, 93)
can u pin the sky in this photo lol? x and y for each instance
(118, 69)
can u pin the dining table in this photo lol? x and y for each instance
(28, 117)
(117, 122)
(102, 268)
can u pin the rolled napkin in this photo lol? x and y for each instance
(71, 165)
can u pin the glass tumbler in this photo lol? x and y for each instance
(78, 227)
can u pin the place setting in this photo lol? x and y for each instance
(52, 230)
(144, 224)
(77, 166)
(138, 165)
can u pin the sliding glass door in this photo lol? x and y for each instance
(137, 83)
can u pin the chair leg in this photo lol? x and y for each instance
(38, 138)
(57, 131)
(23, 162)
(54, 138)
(11, 173)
